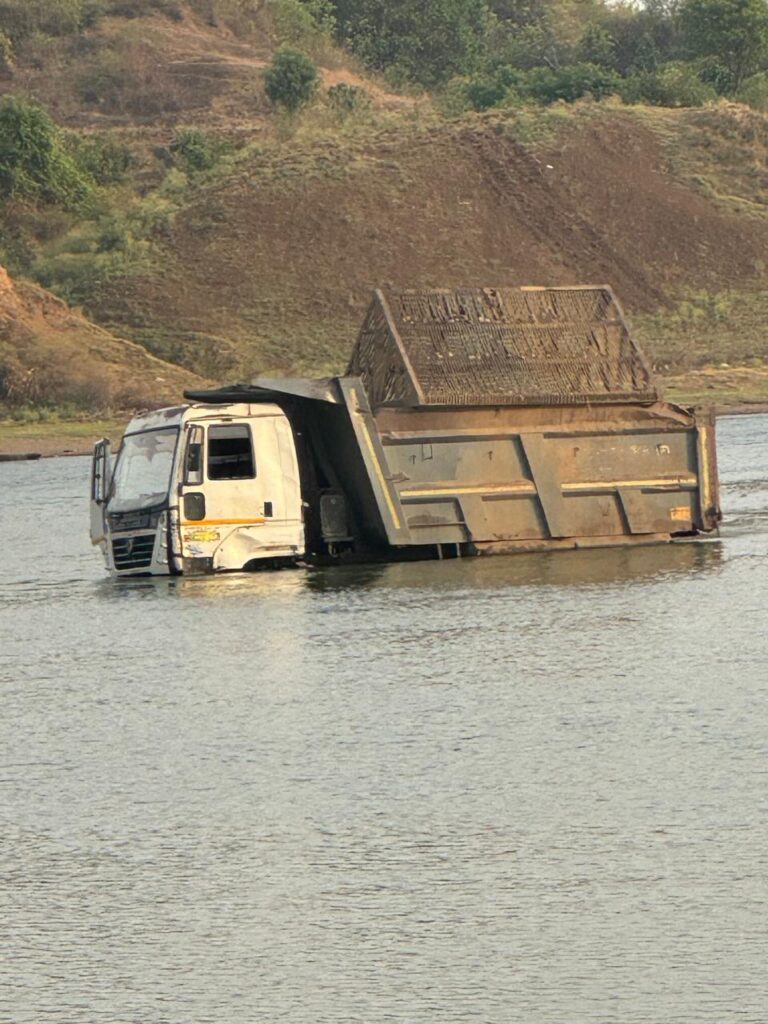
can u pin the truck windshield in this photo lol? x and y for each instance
(143, 470)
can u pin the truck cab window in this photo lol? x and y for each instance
(230, 452)
(193, 462)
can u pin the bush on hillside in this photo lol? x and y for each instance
(34, 164)
(494, 88)
(754, 92)
(323, 13)
(141, 8)
(734, 32)
(21, 18)
(597, 46)
(715, 73)
(291, 79)
(569, 83)
(485, 91)
(106, 161)
(672, 85)
(346, 99)
(303, 23)
(196, 150)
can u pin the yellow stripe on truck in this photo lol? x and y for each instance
(223, 522)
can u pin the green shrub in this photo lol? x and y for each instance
(34, 164)
(715, 73)
(734, 32)
(17, 250)
(141, 8)
(597, 46)
(291, 79)
(754, 92)
(295, 23)
(196, 150)
(672, 85)
(106, 161)
(323, 13)
(427, 43)
(485, 92)
(113, 237)
(21, 18)
(548, 85)
(452, 99)
(347, 99)
(493, 88)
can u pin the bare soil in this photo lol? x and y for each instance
(51, 351)
(275, 265)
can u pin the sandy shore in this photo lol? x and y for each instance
(57, 439)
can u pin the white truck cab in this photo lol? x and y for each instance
(198, 489)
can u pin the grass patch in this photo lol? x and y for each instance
(720, 150)
(742, 388)
(707, 329)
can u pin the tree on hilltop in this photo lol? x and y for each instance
(424, 42)
(734, 32)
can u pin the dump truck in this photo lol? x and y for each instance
(469, 422)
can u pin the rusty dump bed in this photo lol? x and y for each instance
(499, 346)
(521, 478)
(493, 420)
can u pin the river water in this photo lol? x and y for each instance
(524, 789)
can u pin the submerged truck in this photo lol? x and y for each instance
(469, 422)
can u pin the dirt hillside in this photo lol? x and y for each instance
(272, 266)
(48, 350)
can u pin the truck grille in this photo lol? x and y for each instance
(133, 520)
(133, 552)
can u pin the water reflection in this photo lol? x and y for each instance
(580, 568)
(587, 567)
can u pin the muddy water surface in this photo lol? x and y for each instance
(527, 789)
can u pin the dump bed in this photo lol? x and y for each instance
(502, 478)
(500, 420)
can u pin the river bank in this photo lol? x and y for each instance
(733, 390)
(58, 437)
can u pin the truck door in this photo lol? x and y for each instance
(101, 478)
(221, 483)
(232, 492)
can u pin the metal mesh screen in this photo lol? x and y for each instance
(501, 347)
